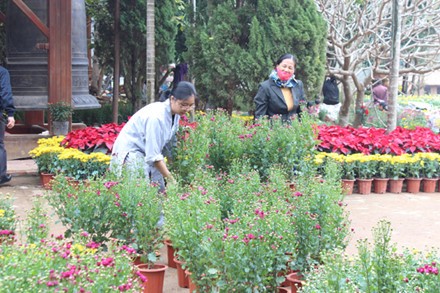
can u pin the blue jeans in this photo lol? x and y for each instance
(3, 157)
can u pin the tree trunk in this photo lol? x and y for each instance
(358, 118)
(360, 94)
(150, 54)
(394, 70)
(96, 77)
(116, 73)
(345, 108)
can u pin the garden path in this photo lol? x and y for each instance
(413, 217)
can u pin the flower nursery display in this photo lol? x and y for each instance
(46, 154)
(252, 202)
(92, 139)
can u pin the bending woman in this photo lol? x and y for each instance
(140, 145)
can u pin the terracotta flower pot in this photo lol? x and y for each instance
(396, 185)
(380, 185)
(192, 287)
(155, 277)
(45, 179)
(347, 186)
(295, 281)
(429, 184)
(170, 254)
(182, 278)
(364, 185)
(413, 185)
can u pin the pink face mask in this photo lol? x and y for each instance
(284, 75)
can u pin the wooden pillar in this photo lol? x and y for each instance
(60, 52)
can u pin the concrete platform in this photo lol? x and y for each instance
(26, 167)
(19, 145)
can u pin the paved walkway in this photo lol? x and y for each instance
(414, 217)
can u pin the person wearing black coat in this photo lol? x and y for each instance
(281, 94)
(7, 107)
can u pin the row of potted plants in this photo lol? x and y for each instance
(235, 231)
(53, 158)
(418, 165)
(220, 139)
(348, 140)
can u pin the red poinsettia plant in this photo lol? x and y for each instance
(92, 139)
(348, 140)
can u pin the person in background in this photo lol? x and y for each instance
(141, 142)
(281, 93)
(330, 105)
(7, 106)
(313, 107)
(380, 94)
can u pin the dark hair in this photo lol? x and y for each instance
(286, 56)
(184, 90)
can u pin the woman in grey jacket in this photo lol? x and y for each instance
(141, 142)
(281, 94)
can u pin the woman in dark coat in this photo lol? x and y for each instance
(281, 94)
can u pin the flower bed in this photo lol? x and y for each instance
(348, 140)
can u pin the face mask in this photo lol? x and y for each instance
(283, 75)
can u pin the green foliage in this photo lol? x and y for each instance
(320, 219)
(220, 139)
(411, 119)
(103, 115)
(133, 40)
(377, 267)
(68, 265)
(60, 111)
(230, 245)
(8, 217)
(82, 207)
(126, 208)
(239, 45)
(235, 231)
(37, 222)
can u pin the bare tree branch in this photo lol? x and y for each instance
(359, 37)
